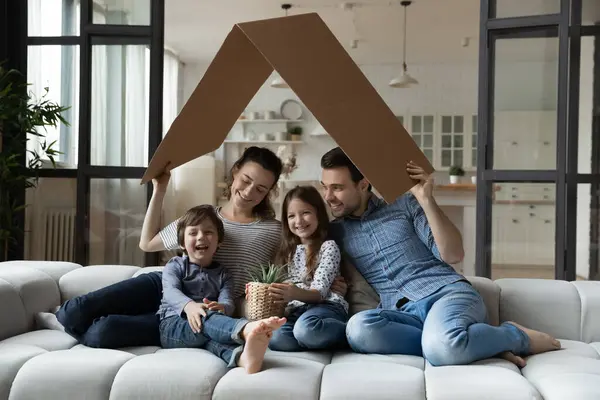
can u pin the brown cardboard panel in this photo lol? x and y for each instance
(315, 65)
(232, 79)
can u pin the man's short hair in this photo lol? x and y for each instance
(195, 216)
(336, 158)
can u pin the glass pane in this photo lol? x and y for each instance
(446, 124)
(474, 123)
(50, 220)
(474, 140)
(458, 140)
(170, 90)
(523, 228)
(60, 18)
(474, 157)
(586, 105)
(447, 141)
(428, 123)
(427, 140)
(458, 124)
(429, 154)
(526, 72)
(117, 209)
(53, 74)
(120, 83)
(520, 8)
(122, 12)
(446, 158)
(417, 139)
(416, 124)
(588, 243)
(590, 12)
(458, 158)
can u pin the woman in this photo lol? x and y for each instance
(124, 314)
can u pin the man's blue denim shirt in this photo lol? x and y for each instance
(393, 248)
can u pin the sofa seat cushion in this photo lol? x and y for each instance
(55, 269)
(49, 340)
(371, 379)
(596, 346)
(492, 379)
(66, 374)
(357, 359)
(88, 279)
(282, 377)
(12, 359)
(323, 357)
(169, 374)
(572, 372)
(135, 350)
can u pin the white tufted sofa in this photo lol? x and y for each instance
(49, 364)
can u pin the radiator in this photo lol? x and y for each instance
(57, 234)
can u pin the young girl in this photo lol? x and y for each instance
(316, 315)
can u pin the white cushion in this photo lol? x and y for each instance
(65, 374)
(281, 378)
(372, 380)
(84, 280)
(55, 269)
(589, 292)
(184, 374)
(147, 270)
(358, 359)
(47, 339)
(11, 360)
(135, 350)
(13, 318)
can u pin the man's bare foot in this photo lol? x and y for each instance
(539, 342)
(518, 361)
(257, 341)
(273, 323)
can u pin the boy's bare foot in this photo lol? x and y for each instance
(518, 361)
(539, 342)
(257, 341)
(273, 323)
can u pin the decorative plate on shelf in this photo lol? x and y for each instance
(291, 109)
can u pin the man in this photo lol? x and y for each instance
(403, 250)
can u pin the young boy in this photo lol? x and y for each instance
(197, 298)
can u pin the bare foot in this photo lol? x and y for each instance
(539, 342)
(273, 323)
(518, 361)
(257, 341)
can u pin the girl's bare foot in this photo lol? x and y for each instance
(539, 342)
(518, 361)
(257, 341)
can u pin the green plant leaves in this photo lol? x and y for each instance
(269, 273)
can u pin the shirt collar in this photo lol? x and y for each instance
(212, 267)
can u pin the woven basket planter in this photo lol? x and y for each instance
(259, 305)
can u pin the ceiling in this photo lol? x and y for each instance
(195, 29)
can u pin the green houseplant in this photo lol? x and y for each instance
(456, 172)
(296, 133)
(21, 115)
(259, 305)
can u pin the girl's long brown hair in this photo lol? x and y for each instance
(289, 241)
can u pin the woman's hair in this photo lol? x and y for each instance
(269, 161)
(195, 216)
(289, 241)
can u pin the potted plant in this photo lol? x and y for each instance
(21, 116)
(456, 172)
(296, 133)
(259, 305)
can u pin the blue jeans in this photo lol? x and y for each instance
(312, 327)
(448, 327)
(220, 334)
(119, 315)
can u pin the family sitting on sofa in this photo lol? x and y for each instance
(403, 250)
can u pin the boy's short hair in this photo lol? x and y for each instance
(195, 216)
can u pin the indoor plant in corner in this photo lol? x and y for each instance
(259, 305)
(21, 115)
(456, 172)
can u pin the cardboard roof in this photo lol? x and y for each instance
(307, 55)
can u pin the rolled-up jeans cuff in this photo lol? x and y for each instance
(236, 334)
(235, 356)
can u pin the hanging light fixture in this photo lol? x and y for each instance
(404, 80)
(278, 82)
